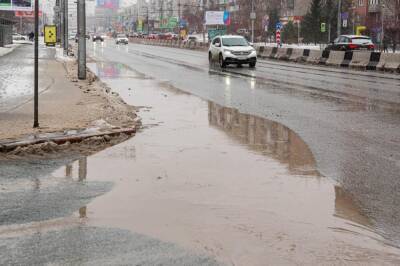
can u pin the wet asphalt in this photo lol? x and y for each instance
(350, 120)
(338, 124)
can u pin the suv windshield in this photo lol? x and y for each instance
(234, 42)
(121, 36)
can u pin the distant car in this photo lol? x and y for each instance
(191, 38)
(121, 38)
(97, 37)
(77, 37)
(134, 35)
(152, 36)
(232, 49)
(19, 37)
(350, 43)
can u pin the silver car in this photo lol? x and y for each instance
(232, 49)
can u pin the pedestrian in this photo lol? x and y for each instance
(385, 44)
(31, 36)
(394, 45)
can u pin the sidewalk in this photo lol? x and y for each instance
(66, 104)
(8, 49)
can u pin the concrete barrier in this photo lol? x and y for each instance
(282, 54)
(324, 57)
(274, 52)
(296, 55)
(267, 52)
(360, 59)
(373, 60)
(335, 58)
(389, 62)
(348, 57)
(314, 56)
(259, 49)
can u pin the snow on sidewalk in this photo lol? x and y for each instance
(8, 48)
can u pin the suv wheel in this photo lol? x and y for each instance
(210, 58)
(252, 64)
(221, 61)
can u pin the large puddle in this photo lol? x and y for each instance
(206, 177)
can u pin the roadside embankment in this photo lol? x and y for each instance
(68, 105)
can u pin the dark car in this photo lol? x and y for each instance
(97, 37)
(350, 43)
(77, 37)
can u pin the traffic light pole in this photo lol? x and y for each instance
(81, 39)
(65, 26)
(36, 68)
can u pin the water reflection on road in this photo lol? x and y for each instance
(242, 188)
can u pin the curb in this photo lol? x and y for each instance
(59, 138)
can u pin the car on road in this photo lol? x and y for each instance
(350, 43)
(121, 38)
(77, 37)
(97, 37)
(232, 49)
(19, 37)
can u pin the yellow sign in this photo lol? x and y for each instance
(50, 34)
(360, 30)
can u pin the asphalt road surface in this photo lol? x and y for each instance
(349, 119)
(285, 164)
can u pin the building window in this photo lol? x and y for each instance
(360, 2)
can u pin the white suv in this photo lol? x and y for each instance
(121, 38)
(231, 49)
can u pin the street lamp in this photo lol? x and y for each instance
(382, 22)
(253, 18)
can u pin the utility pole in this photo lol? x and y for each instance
(382, 23)
(179, 18)
(61, 23)
(82, 39)
(65, 27)
(36, 70)
(253, 18)
(339, 18)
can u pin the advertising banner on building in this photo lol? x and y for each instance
(217, 18)
(27, 14)
(16, 5)
(109, 4)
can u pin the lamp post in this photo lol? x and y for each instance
(382, 23)
(36, 68)
(339, 18)
(253, 18)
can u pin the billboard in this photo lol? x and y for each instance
(16, 5)
(217, 18)
(109, 4)
(26, 14)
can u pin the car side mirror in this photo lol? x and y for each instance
(251, 44)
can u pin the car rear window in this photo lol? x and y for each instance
(361, 40)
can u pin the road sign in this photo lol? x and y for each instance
(279, 25)
(50, 34)
(278, 36)
(323, 27)
(253, 15)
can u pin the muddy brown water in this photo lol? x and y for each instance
(241, 188)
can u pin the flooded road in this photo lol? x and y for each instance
(235, 177)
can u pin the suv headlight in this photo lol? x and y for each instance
(227, 51)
